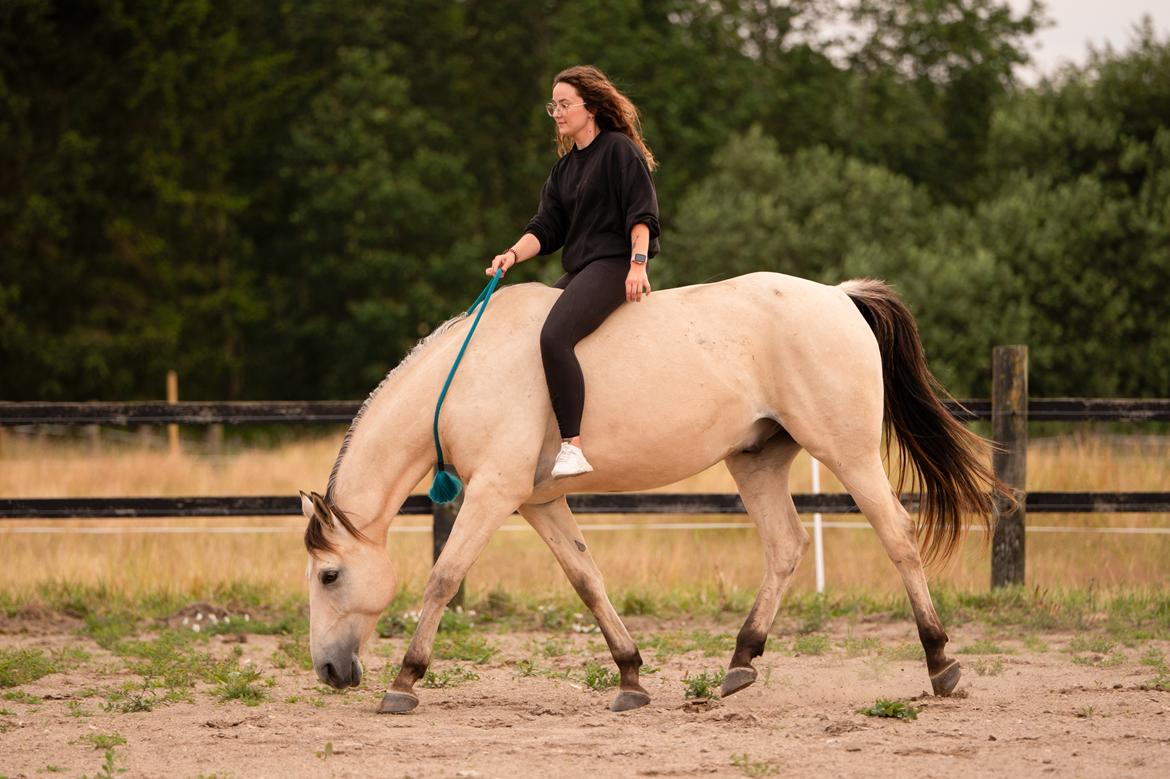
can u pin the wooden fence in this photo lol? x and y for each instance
(1010, 410)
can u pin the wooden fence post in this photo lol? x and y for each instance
(173, 397)
(1009, 424)
(444, 520)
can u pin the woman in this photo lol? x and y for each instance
(599, 204)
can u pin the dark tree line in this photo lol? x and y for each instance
(278, 199)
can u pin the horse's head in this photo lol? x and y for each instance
(351, 581)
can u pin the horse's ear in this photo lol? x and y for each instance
(321, 509)
(307, 506)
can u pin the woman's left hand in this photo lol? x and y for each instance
(637, 283)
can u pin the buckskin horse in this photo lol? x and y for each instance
(748, 371)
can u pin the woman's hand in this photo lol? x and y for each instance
(505, 261)
(637, 283)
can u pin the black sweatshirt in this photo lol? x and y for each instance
(592, 200)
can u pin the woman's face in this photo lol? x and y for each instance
(570, 115)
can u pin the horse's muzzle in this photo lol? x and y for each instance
(341, 675)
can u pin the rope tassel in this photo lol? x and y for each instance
(446, 486)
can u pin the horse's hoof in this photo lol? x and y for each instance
(629, 699)
(395, 702)
(945, 680)
(736, 680)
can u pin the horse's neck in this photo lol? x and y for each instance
(390, 448)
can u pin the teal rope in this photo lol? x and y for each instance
(446, 487)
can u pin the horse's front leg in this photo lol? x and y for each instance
(483, 511)
(556, 526)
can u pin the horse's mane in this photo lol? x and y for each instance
(418, 347)
(315, 538)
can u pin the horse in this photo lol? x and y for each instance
(747, 371)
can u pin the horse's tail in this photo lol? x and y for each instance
(947, 461)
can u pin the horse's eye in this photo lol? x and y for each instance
(328, 577)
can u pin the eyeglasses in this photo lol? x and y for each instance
(552, 108)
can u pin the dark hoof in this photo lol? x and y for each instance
(737, 679)
(629, 699)
(945, 680)
(395, 702)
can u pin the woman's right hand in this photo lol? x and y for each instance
(504, 261)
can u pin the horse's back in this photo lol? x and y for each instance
(700, 371)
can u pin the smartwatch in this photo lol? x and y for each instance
(639, 259)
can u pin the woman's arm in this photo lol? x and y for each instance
(524, 249)
(638, 281)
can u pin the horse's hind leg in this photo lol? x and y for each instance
(867, 483)
(556, 526)
(762, 479)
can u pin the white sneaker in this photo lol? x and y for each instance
(570, 462)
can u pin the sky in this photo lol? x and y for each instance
(1077, 23)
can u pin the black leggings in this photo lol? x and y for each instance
(590, 295)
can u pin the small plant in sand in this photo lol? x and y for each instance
(293, 652)
(553, 647)
(1155, 660)
(21, 666)
(103, 740)
(861, 647)
(704, 685)
(989, 666)
(109, 768)
(326, 752)
(242, 685)
(600, 678)
(753, 767)
(526, 667)
(1096, 644)
(1111, 660)
(891, 709)
(464, 646)
(450, 677)
(20, 696)
(984, 646)
(907, 651)
(810, 644)
(1161, 682)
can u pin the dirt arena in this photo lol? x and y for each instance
(1035, 704)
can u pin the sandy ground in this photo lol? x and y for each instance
(1032, 712)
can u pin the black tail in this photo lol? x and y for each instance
(946, 461)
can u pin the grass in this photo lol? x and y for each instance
(679, 642)
(704, 685)
(811, 644)
(984, 646)
(449, 677)
(471, 647)
(861, 647)
(600, 678)
(649, 572)
(109, 768)
(244, 685)
(21, 666)
(989, 666)
(103, 740)
(754, 768)
(891, 709)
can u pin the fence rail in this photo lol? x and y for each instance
(343, 411)
(592, 503)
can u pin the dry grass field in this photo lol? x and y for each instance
(134, 557)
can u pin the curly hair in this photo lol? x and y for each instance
(611, 109)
